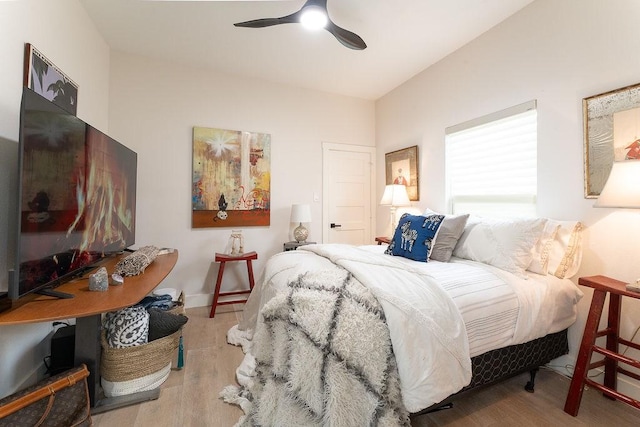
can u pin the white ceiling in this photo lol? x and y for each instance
(403, 37)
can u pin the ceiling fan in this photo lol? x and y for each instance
(313, 14)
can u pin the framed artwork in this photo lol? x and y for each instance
(611, 134)
(402, 168)
(231, 178)
(44, 78)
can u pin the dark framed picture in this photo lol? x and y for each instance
(611, 134)
(44, 78)
(402, 168)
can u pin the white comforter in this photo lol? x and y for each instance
(439, 314)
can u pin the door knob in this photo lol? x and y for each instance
(334, 225)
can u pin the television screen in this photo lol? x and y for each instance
(77, 196)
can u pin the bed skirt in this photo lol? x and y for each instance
(506, 362)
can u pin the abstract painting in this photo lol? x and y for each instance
(231, 178)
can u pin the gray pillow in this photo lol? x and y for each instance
(448, 235)
(163, 323)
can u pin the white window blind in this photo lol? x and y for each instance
(491, 163)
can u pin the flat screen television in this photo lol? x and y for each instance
(76, 197)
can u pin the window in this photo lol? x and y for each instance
(491, 163)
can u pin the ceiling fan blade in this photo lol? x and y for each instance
(347, 38)
(268, 22)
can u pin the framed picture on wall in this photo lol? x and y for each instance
(231, 184)
(402, 168)
(44, 78)
(611, 134)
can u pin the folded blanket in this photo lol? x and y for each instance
(314, 366)
(426, 328)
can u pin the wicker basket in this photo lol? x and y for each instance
(124, 364)
(129, 363)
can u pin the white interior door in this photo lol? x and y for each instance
(348, 176)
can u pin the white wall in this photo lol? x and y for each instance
(153, 109)
(62, 31)
(557, 52)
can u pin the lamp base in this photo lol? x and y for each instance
(394, 224)
(300, 234)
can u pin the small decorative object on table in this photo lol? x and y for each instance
(135, 263)
(300, 214)
(116, 279)
(99, 280)
(236, 243)
(634, 286)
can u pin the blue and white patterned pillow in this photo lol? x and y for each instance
(414, 237)
(127, 327)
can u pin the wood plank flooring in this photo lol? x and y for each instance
(190, 396)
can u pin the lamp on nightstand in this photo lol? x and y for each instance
(622, 189)
(300, 213)
(395, 195)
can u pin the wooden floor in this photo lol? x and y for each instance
(190, 396)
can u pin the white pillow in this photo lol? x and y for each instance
(542, 250)
(565, 254)
(503, 243)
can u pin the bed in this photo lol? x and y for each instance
(486, 300)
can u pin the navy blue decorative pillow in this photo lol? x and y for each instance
(414, 237)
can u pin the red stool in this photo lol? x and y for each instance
(222, 259)
(616, 289)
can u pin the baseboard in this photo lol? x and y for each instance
(205, 300)
(626, 386)
(564, 365)
(30, 378)
(198, 300)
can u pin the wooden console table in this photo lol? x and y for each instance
(87, 307)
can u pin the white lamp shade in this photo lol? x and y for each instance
(622, 189)
(300, 213)
(395, 195)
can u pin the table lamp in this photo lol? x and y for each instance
(395, 195)
(622, 189)
(300, 213)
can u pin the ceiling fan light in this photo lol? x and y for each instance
(313, 17)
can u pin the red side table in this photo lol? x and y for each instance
(616, 289)
(222, 259)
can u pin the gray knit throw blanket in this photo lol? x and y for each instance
(324, 358)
